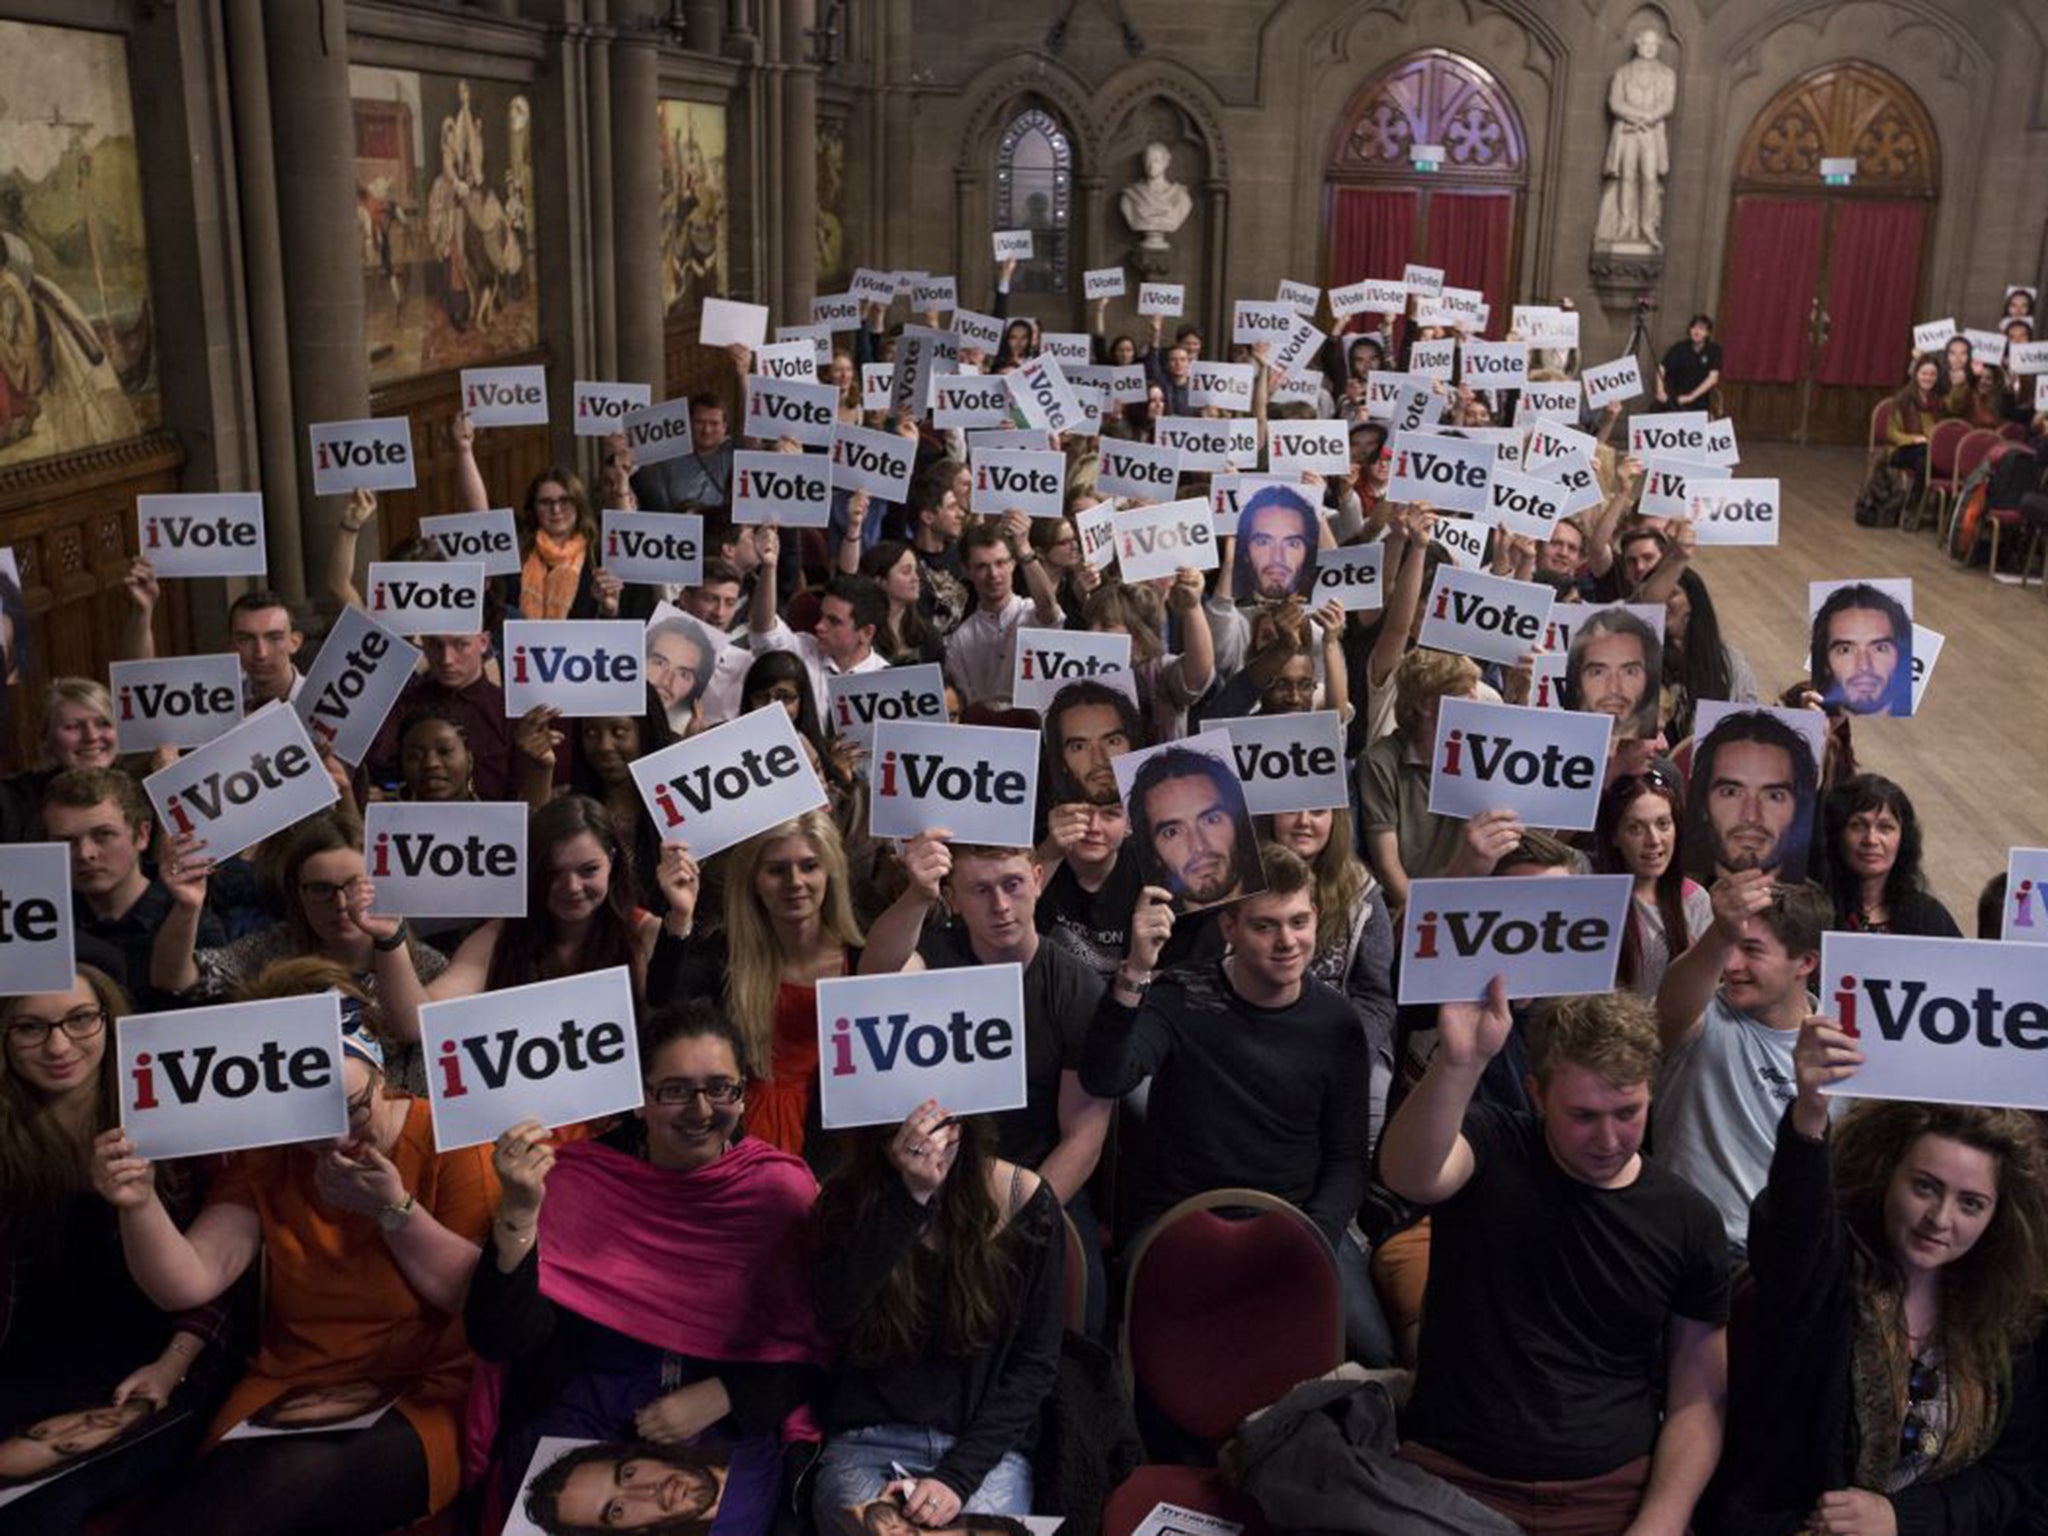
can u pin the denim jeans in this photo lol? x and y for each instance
(855, 1468)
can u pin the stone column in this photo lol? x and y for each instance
(799, 164)
(603, 245)
(636, 207)
(313, 132)
(1216, 323)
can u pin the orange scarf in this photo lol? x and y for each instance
(549, 575)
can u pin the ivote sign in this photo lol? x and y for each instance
(1320, 447)
(1046, 660)
(197, 1081)
(1433, 359)
(1034, 483)
(244, 785)
(977, 782)
(856, 702)
(1144, 471)
(1449, 473)
(1548, 402)
(785, 408)
(360, 671)
(489, 537)
(1721, 446)
(1012, 244)
(1464, 539)
(1223, 386)
(1669, 435)
(1207, 444)
(657, 433)
(1669, 484)
(209, 533)
(1927, 644)
(1164, 299)
(877, 384)
(1158, 541)
(1547, 765)
(600, 409)
(182, 701)
(841, 311)
(1621, 379)
(1072, 348)
(876, 462)
(466, 859)
(1942, 1021)
(374, 455)
(1097, 531)
(1102, 283)
(984, 333)
(794, 361)
(1573, 471)
(1042, 393)
(506, 397)
(1524, 503)
(1558, 937)
(36, 942)
(1290, 762)
(2026, 894)
(655, 548)
(554, 1051)
(1252, 322)
(1424, 280)
(723, 786)
(428, 597)
(887, 1043)
(971, 400)
(1495, 364)
(581, 667)
(1351, 575)
(793, 489)
(1735, 511)
(1488, 617)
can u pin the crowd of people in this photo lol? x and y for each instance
(1623, 1259)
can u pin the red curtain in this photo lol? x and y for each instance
(1470, 234)
(1773, 275)
(1372, 234)
(1873, 278)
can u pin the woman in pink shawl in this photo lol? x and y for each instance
(650, 1289)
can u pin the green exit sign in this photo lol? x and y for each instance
(1836, 181)
(1426, 157)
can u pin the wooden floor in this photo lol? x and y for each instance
(1975, 759)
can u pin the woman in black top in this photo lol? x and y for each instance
(1870, 853)
(1692, 368)
(939, 1277)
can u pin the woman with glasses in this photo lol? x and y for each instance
(75, 1332)
(577, 1303)
(367, 1243)
(1055, 542)
(327, 917)
(1900, 1256)
(558, 538)
(1635, 832)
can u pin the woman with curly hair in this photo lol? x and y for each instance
(1870, 853)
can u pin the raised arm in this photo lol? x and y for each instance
(1129, 1038)
(476, 496)
(138, 631)
(1689, 982)
(176, 1270)
(1198, 641)
(1424, 1156)
(341, 553)
(893, 936)
(1406, 597)
(185, 872)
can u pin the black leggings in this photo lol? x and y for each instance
(359, 1483)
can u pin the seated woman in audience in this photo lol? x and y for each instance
(77, 732)
(327, 917)
(1870, 854)
(781, 678)
(1020, 345)
(558, 537)
(435, 763)
(939, 1277)
(1636, 833)
(909, 635)
(1054, 541)
(599, 1341)
(602, 751)
(1168, 685)
(843, 374)
(1900, 1257)
(1698, 663)
(1915, 410)
(75, 1332)
(367, 1244)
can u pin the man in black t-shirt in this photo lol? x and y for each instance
(1691, 369)
(1575, 1330)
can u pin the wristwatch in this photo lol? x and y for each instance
(396, 1214)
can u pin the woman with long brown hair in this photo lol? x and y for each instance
(939, 1275)
(1635, 832)
(558, 537)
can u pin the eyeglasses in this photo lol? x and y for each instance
(677, 1090)
(78, 1024)
(553, 501)
(327, 890)
(1918, 1438)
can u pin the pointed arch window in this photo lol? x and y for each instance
(1035, 191)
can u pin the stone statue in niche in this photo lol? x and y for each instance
(1153, 206)
(1640, 97)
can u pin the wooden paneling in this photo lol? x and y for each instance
(508, 456)
(690, 368)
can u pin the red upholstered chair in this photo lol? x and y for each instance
(1880, 424)
(800, 613)
(2013, 432)
(1971, 452)
(1942, 445)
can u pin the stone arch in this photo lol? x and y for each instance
(1128, 89)
(1852, 109)
(999, 93)
(1431, 95)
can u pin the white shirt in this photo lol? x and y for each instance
(982, 650)
(816, 662)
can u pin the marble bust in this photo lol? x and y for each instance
(1153, 206)
(1640, 97)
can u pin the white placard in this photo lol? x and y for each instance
(1494, 364)
(2028, 357)
(1669, 435)
(1734, 512)
(1027, 481)
(1382, 296)
(37, 951)
(979, 783)
(1423, 280)
(1045, 660)
(1488, 617)
(1940, 1021)
(971, 400)
(491, 538)
(462, 859)
(506, 397)
(1548, 765)
(1146, 471)
(1289, 762)
(1351, 575)
(1221, 386)
(1102, 283)
(984, 333)
(1524, 504)
(1164, 299)
(1986, 347)
(654, 548)
(1553, 439)
(1466, 306)
(867, 286)
(784, 408)
(180, 701)
(724, 785)
(582, 667)
(1607, 383)
(601, 409)
(1097, 530)
(243, 785)
(1044, 395)
(793, 489)
(358, 675)
(197, 1081)
(1302, 298)
(1071, 348)
(1303, 387)
(1318, 447)
(1449, 473)
(1435, 360)
(856, 702)
(887, 1043)
(207, 533)
(840, 311)
(1559, 937)
(1464, 539)
(920, 357)
(559, 1052)
(1557, 401)
(876, 462)
(1506, 441)
(1668, 484)
(1207, 444)
(877, 384)
(1158, 541)
(1012, 245)
(1128, 384)
(1297, 354)
(428, 597)
(787, 361)
(1553, 329)
(1927, 646)
(1546, 678)
(1010, 438)
(374, 455)
(729, 323)
(1933, 335)
(1253, 321)
(934, 295)
(819, 336)
(658, 433)
(2025, 919)
(1575, 472)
